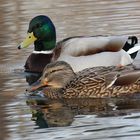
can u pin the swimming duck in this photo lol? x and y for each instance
(80, 52)
(60, 81)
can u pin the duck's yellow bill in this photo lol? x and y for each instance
(30, 38)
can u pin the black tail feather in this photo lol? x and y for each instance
(128, 45)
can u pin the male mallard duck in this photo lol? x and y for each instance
(80, 52)
(59, 81)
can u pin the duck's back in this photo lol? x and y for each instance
(82, 46)
(86, 82)
(87, 52)
(95, 83)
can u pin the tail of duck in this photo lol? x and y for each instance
(132, 46)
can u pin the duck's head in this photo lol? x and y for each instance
(55, 75)
(42, 33)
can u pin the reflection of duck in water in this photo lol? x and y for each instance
(59, 81)
(49, 113)
(52, 113)
(80, 52)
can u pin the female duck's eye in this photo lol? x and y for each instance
(50, 72)
(53, 71)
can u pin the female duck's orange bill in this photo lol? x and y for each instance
(37, 85)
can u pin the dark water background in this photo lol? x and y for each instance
(71, 17)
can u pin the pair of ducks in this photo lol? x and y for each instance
(71, 79)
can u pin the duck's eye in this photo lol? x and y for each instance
(50, 72)
(57, 70)
(53, 71)
(33, 28)
(38, 25)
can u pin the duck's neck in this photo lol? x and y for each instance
(46, 45)
(53, 93)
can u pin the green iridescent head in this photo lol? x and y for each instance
(42, 32)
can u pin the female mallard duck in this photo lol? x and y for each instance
(59, 81)
(80, 52)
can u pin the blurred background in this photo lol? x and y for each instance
(71, 18)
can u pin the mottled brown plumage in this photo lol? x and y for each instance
(99, 82)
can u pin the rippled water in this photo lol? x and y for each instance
(119, 120)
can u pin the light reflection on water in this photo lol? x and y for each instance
(81, 17)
